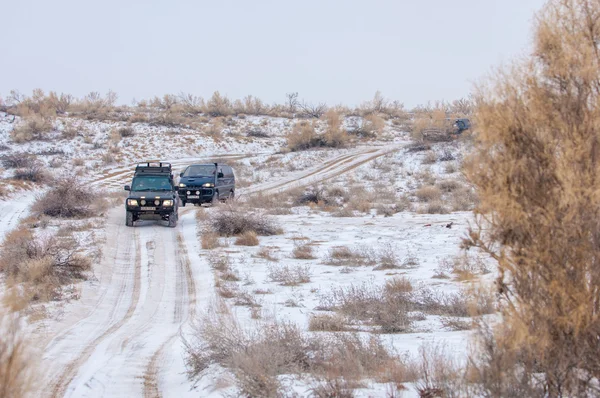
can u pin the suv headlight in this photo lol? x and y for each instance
(181, 185)
(208, 185)
(132, 202)
(168, 203)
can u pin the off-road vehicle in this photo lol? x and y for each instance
(152, 195)
(206, 183)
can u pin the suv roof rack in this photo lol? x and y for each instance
(153, 168)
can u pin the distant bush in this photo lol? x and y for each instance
(126, 132)
(35, 172)
(304, 136)
(30, 128)
(69, 198)
(232, 221)
(17, 160)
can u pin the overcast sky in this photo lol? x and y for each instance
(337, 51)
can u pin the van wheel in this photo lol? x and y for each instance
(183, 202)
(231, 195)
(129, 219)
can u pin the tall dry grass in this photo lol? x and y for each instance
(536, 167)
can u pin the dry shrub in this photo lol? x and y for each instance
(17, 365)
(230, 220)
(126, 132)
(289, 275)
(429, 158)
(303, 136)
(326, 323)
(35, 172)
(428, 194)
(218, 105)
(31, 127)
(346, 256)
(18, 160)
(440, 374)
(335, 136)
(210, 240)
(536, 171)
(303, 251)
(256, 356)
(248, 238)
(386, 308)
(69, 198)
(42, 263)
(435, 207)
(267, 254)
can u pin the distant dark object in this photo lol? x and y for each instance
(461, 125)
(449, 225)
(453, 128)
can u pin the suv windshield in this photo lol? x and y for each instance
(200, 171)
(151, 183)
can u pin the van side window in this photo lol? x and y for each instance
(228, 171)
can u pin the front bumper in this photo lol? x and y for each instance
(196, 194)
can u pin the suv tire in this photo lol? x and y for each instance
(129, 219)
(173, 220)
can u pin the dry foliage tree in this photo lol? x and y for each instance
(537, 168)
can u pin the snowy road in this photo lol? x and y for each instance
(126, 324)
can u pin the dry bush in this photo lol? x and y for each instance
(303, 136)
(229, 220)
(69, 198)
(36, 172)
(435, 207)
(428, 194)
(346, 256)
(42, 263)
(17, 160)
(256, 357)
(210, 240)
(429, 158)
(31, 127)
(126, 132)
(535, 167)
(335, 136)
(248, 238)
(218, 105)
(289, 275)
(440, 374)
(326, 323)
(266, 253)
(303, 251)
(17, 364)
(386, 308)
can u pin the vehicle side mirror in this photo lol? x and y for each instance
(181, 174)
(127, 188)
(220, 175)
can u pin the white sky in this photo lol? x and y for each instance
(337, 51)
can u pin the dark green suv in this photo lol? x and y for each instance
(206, 183)
(152, 195)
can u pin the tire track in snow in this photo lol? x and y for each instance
(186, 289)
(61, 385)
(330, 169)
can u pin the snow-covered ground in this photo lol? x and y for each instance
(124, 336)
